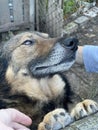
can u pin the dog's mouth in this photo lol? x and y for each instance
(60, 59)
(44, 70)
(59, 67)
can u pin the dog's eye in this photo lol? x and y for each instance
(29, 42)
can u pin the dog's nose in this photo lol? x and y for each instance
(71, 43)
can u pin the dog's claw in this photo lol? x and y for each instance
(84, 108)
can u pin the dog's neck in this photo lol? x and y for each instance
(42, 89)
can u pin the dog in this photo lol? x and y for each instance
(32, 80)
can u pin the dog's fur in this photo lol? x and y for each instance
(30, 74)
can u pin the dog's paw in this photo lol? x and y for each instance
(84, 108)
(55, 120)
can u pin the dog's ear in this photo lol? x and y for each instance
(44, 35)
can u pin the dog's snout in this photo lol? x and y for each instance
(71, 43)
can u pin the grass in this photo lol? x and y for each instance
(69, 7)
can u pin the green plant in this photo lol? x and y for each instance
(69, 6)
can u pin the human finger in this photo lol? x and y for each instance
(18, 126)
(4, 127)
(19, 117)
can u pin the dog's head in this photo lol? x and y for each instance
(40, 55)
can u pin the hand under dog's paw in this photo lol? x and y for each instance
(84, 108)
(55, 120)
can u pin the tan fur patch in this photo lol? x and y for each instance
(42, 89)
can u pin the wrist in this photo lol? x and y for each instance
(79, 55)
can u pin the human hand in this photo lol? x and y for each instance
(12, 119)
(79, 55)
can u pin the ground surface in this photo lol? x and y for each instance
(84, 84)
(81, 80)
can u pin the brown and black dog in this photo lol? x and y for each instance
(31, 79)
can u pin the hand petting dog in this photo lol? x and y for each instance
(12, 119)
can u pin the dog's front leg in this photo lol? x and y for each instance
(55, 120)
